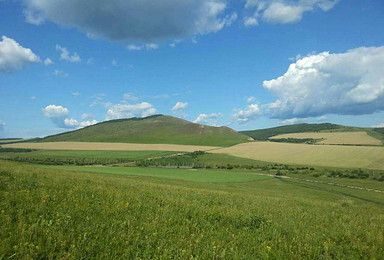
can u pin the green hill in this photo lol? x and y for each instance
(158, 129)
(265, 134)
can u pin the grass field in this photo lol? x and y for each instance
(314, 155)
(134, 155)
(180, 174)
(47, 213)
(350, 138)
(84, 146)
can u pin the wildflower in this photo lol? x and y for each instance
(269, 248)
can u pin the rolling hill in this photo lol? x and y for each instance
(157, 129)
(265, 134)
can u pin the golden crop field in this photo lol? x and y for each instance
(359, 138)
(314, 155)
(87, 146)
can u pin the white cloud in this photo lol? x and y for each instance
(88, 123)
(53, 111)
(350, 83)
(251, 99)
(75, 94)
(250, 113)
(250, 21)
(283, 12)
(134, 20)
(65, 55)
(127, 111)
(148, 46)
(130, 97)
(13, 56)
(2, 125)
(32, 98)
(114, 63)
(48, 62)
(60, 73)
(293, 121)
(58, 115)
(180, 106)
(208, 119)
(73, 123)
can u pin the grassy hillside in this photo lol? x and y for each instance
(57, 214)
(265, 134)
(158, 129)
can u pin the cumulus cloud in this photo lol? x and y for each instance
(73, 123)
(53, 111)
(250, 113)
(134, 20)
(13, 56)
(127, 111)
(65, 55)
(2, 125)
(283, 12)
(58, 115)
(293, 121)
(208, 119)
(350, 83)
(180, 106)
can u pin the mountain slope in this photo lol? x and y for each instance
(158, 129)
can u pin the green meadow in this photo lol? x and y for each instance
(179, 174)
(66, 212)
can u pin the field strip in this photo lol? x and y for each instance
(348, 138)
(90, 146)
(321, 182)
(310, 155)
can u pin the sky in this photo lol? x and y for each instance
(246, 64)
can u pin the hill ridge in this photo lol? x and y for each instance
(155, 129)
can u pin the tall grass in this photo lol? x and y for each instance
(50, 214)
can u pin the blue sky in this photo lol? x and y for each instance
(245, 64)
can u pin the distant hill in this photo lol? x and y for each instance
(265, 134)
(379, 130)
(157, 129)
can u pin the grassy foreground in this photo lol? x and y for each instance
(49, 213)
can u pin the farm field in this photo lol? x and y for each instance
(313, 155)
(85, 146)
(48, 212)
(350, 138)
